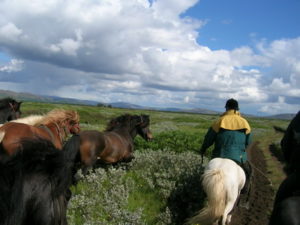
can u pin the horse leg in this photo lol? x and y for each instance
(128, 158)
(88, 158)
(226, 218)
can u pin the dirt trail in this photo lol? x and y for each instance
(261, 195)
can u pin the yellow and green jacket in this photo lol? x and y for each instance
(231, 135)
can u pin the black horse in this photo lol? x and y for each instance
(34, 184)
(287, 201)
(286, 212)
(9, 110)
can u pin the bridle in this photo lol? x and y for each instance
(12, 107)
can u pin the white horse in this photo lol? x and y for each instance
(222, 181)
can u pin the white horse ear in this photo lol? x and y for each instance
(297, 136)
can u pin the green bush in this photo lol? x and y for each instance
(157, 187)
(175, 141)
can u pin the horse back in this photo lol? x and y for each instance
(12, 134)
(232, 171)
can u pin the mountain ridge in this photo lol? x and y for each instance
(24, 96)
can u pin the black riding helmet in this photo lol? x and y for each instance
(232, 104)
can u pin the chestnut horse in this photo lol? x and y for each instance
(115, 144)
(9, 110)
(54, 126)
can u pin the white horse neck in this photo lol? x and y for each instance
(30, 120)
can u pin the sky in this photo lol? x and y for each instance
(156, 53)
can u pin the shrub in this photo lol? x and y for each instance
(157, 187)
(177, 141)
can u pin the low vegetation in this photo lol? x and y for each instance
(162, 184)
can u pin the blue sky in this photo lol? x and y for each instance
(235, 23)
(162, 53)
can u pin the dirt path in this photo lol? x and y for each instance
(261, 196)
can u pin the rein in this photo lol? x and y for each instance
(60, 134)
(48, 131)
(51, 133)
(258, 170)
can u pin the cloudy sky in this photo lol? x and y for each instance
(159, 53)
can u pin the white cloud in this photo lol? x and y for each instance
(277, 107)
(10, 32)
(15, 65)
(186, 99)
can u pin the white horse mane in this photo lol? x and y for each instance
(30, 120)
(222, 182)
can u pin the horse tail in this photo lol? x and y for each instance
(214, 187)
(71, 149)
(71, 152)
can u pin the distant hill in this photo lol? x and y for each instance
(127, 105)
(134, 106)
(202, 111)
(285, 116)
(23, 96)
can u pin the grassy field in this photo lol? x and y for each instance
(162, 184)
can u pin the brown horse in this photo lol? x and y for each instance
(54, 126)
(115, 144)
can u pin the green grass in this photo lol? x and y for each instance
(144, 196)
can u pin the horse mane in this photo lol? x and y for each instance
(5, 101)
(126, 119)
(30, 120)
(145, 120)
(59, 116)
(118, 122)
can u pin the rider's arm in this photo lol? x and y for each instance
(209, 139)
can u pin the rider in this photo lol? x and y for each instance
(231, 135)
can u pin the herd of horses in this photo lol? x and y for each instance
(38, 162)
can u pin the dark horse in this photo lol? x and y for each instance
(287, 201)
(115, 144)
(54, 126)
(9, 110)
(34, 184)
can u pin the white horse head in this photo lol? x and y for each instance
(222, 181)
